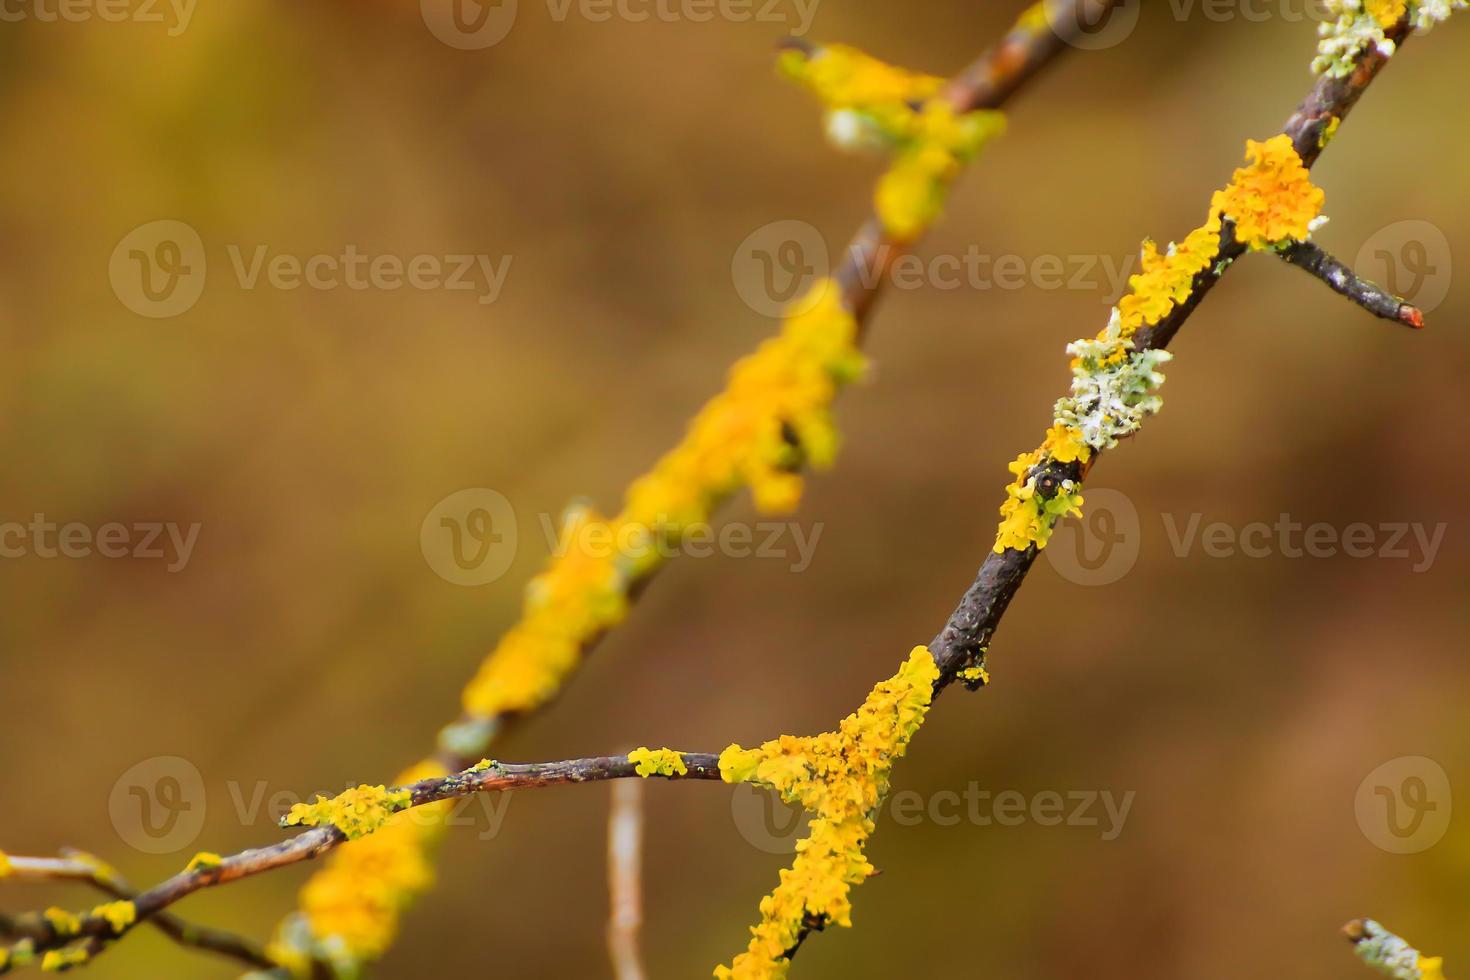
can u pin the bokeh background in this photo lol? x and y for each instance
(307, 642)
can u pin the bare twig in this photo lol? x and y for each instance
(84, 868)
(625, 879)
(1343, 281)
(42, 933)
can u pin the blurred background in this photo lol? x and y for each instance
(1281, 722)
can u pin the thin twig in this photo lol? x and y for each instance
(84, 868)
(42, 935)
(1343, 281)
(625, 879)
(967, 633)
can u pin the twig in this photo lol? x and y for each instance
(1343, 281)
(967, 633)
(42, 933)
(1389, 954)
(625, 879)
(81, 867)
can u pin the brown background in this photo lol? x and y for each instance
(307, 643)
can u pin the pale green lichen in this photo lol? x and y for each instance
(657, 762)
(355, 812)
(1392, 956)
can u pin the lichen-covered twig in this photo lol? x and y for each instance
(625, 879)
(1341, 279)
(1390, 955)
(84, 868)
(772, 419)
(62, 939)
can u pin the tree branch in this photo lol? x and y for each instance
(92, 932)
(1310, 258)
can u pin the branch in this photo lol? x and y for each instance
(966, 636)
(1343, 281)
(79, 866)
(75, 939)
(1390, 955)
(866, 262)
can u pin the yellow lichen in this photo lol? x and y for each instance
(119, 915)
(1431, 967)
(1329, 132)
(840, 778)
(911, 195)
(1271, 200)
(657, 762)
(773, 415)
(5, 868)
(1386, 12)
(975, 673)
(871, 102)
(355, 812)
(62, 922)
(350, 909)
(204, 861)
(58, 960)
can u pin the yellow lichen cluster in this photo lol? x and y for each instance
(1271, 201)
(5, 868)
(350, 909)
(62, 922)
(840, 778)
(1386, 12)
(870, 103)
(355, 812)
(657, 762)
(1431, 967)
(119, 915)
(204, 861)
(773, 415)
(60, 960)
(1028, 517)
